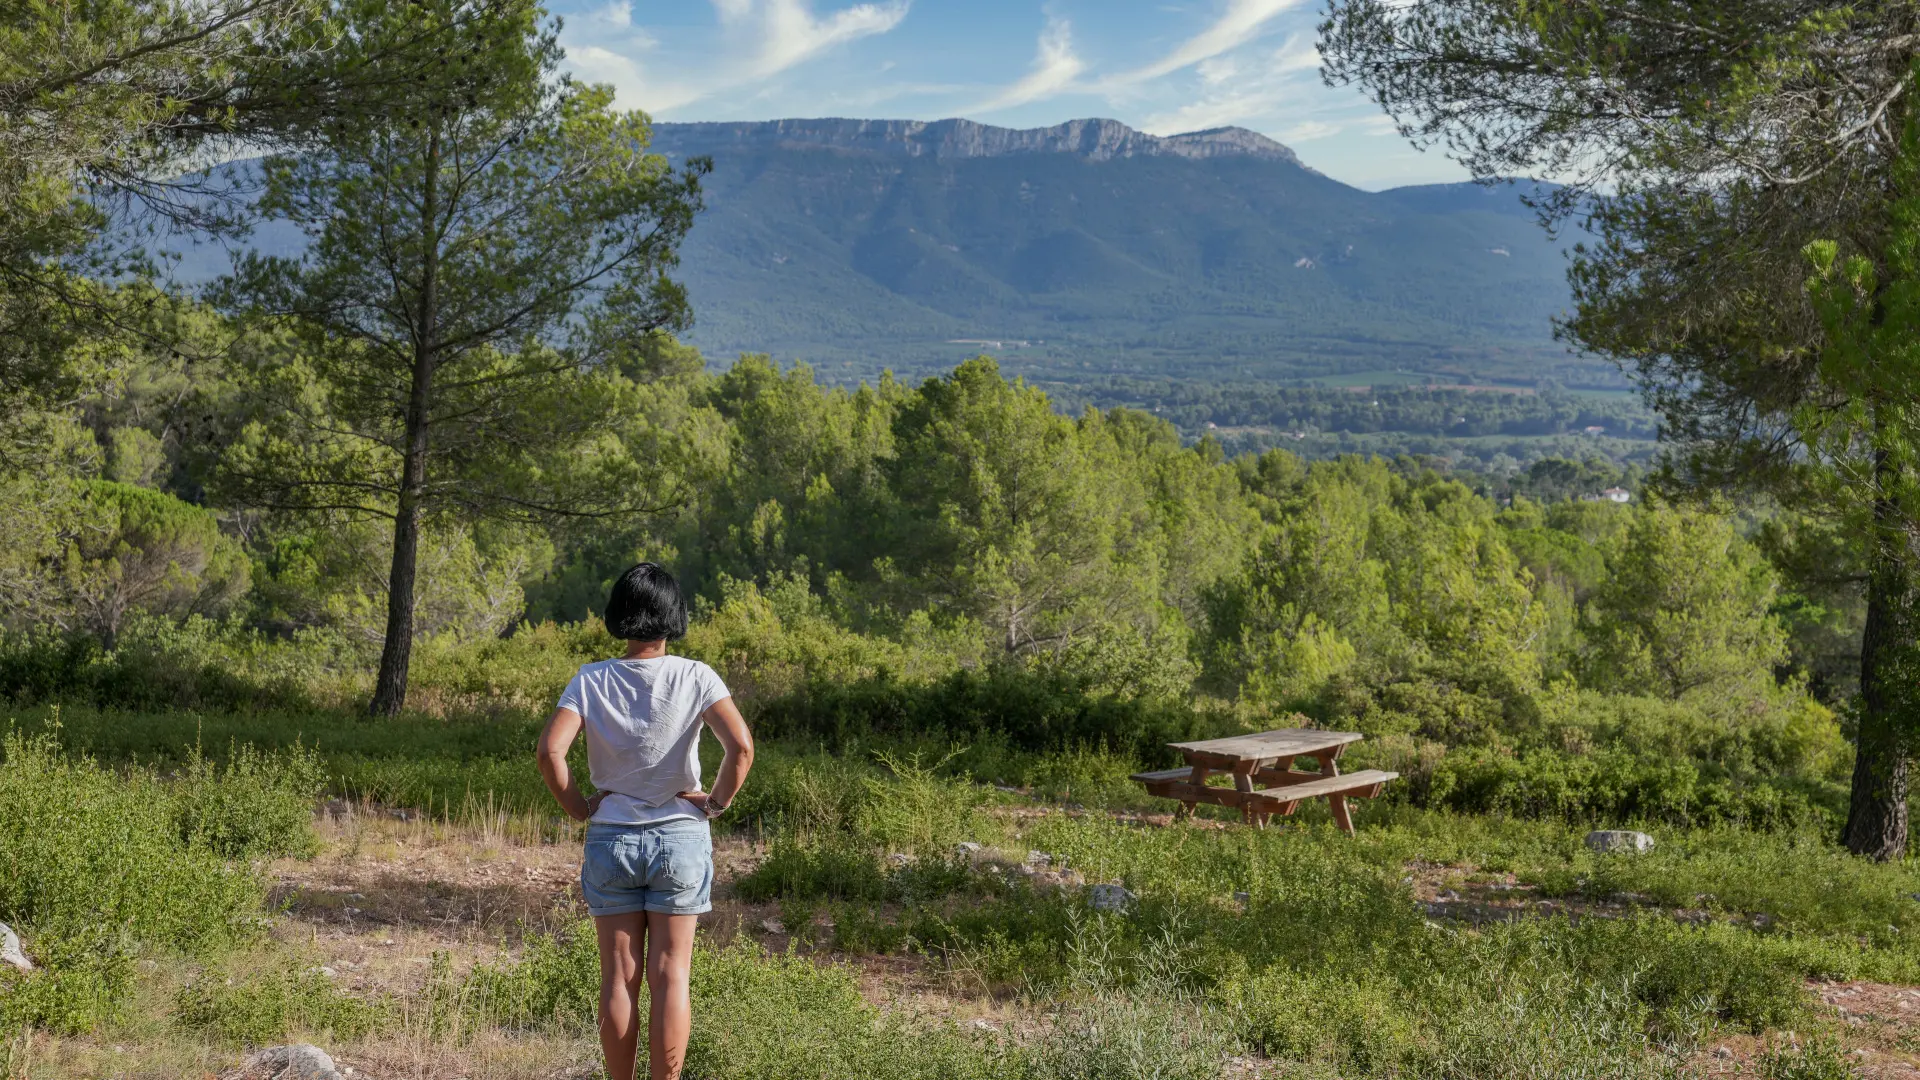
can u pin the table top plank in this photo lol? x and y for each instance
(1284, 743)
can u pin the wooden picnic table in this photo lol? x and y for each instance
(1265, 782)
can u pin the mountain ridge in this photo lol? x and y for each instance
(1092, 247)
(1087, 249)
(1094, 139)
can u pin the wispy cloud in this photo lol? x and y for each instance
(1055, 67)
(769, 37)
(1309, 130)
(1296, 55)
(1241, 22)
(604, 46)
(789, 32)
(1253, 86)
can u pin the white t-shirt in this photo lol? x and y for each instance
(642, 719)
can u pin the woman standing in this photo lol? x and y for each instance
(648, 870)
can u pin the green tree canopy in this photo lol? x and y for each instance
(485, 264)
(1724, 138)
(137, 549)
(1686, 608)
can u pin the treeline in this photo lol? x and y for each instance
(893, 537)
(1193, 406)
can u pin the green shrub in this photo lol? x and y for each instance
(914, 811)
(1129, 1012)
(839, 868)
(786, 1018)
(82, 980)
(267, 1005)
(1675, 972)
(1357, 1022)
(1032, 709)
(156, 663)
(851, 868)
(1554, 1030)
(1615, 786)
(93, 870)
(860, 929)
(780, 1017)
(256, 805)
(555, 985)
(1820, 1057)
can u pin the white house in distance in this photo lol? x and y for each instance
(1612, 494)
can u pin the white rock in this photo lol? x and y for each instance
(297, 1062)
(10, 950)
(966, 849)
(1111, 898)
(1619, 840)
(1039, 860)
(773, 926)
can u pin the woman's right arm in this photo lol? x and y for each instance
(562, 728)
(736, 744)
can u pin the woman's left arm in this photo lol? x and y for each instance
(736, 746)
(562, 728)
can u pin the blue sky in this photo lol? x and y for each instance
(1163, 67)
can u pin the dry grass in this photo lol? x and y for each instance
(387, 893)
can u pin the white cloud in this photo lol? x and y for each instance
(1055, 67)
(790, 32)
(634, 86)
(1308, 130)
(1263, 88)
(1241, 22)
(1296, 55)
(769, 37)
(1217, 69)
(1216, 110)
(618, 13)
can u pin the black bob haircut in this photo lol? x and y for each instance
(646, 605)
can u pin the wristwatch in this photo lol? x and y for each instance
(715, 809)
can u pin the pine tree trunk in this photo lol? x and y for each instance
(396, 654)
(1889, 681)
(390, 687)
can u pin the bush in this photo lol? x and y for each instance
(257, 805)
(1614, 786)
(94, 869)
(1030, 709)
(1129, 1013)
(1357, 1022)
(160, 663)
(779, 1017)
(266, 1006)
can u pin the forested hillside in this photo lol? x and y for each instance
(1086, 250)
(1101, 250)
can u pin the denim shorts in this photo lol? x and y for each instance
(666, 868)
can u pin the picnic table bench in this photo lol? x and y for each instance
(1264, 780)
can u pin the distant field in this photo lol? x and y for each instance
(1360, 380)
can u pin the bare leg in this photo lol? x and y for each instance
(623, 941)
(669, 973)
